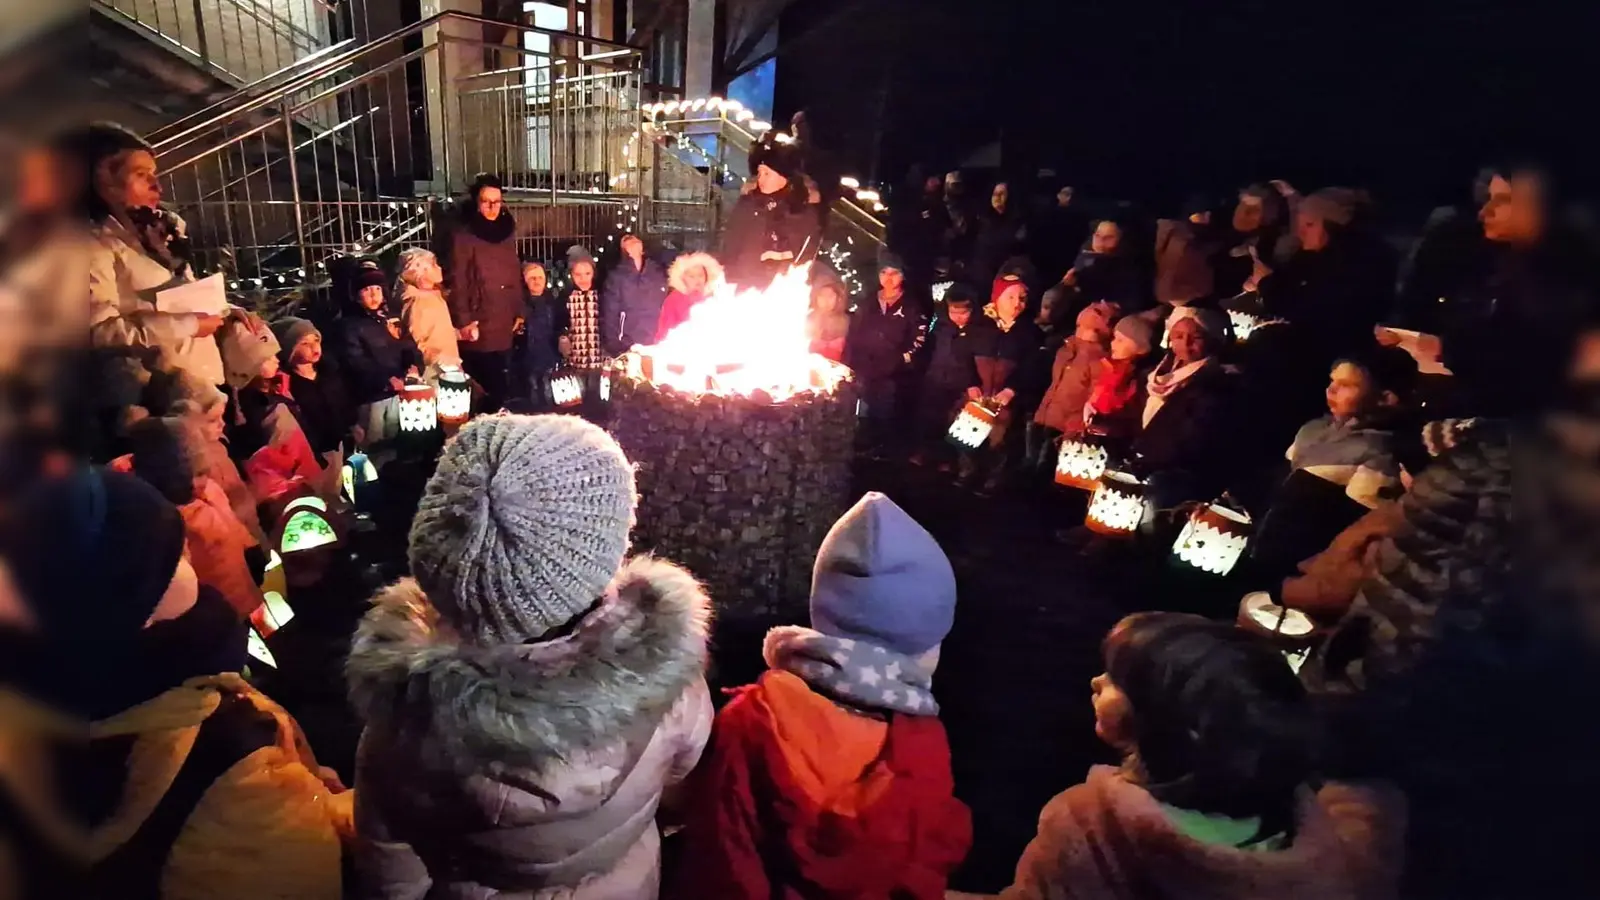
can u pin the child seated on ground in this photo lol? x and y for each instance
(225, 556)
(951, 371)
(1341, 465)
(205, 408)
(1214, 796)
(1117, 392)
(1071, 378)
(830, 777)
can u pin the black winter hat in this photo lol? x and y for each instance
(92, 553)
(781, 158)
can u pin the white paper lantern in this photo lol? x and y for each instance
(258, 650)
(566, 389)
(1213, 539)
(605, 387)
(419, 412)
(1081, 462)
(1118, 506)
(940, 289)
(358, 473)
(1243, 324)
(1291, 629)
(972, 426)
(455, 396)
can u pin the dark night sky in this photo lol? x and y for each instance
(1150, 100)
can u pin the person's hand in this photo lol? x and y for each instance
(1386, 337)
(413, 372)
(519, 326)
(397, 385)
(769, 255)
(1429, 346)
(974, 394)
(1005, 397)
(468, 332)
(906, 357)
(1088, 414)
(394, 328)
(205, 325)
(358, 434)
(748, 187)
(1071, 277)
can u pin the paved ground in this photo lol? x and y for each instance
(1014, 676)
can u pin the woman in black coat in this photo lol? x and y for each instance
(1185, 445)
(772, 226)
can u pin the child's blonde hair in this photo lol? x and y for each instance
(411, 264)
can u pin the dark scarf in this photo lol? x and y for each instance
(495, 231)
(95, 683)
(163, 237)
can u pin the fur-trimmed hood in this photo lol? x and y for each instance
(687, 261)
(530, 706)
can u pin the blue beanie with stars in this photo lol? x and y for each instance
(880, 577)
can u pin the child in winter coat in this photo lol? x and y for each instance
(886, 334)
(424, 314)
(1214, 796)
(327, 413)
(374, 354)
(1341, 465)
(828, 324)
(1071, 377)
(267, 433)
(578, 323)
(540, 355)
(1000, 352)
(124, 698)
(951, 371)
(225, 556)
(830, 777)
(531, 692)
(692, 278)
(205, 408)
(1117, 393)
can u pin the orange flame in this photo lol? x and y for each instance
(743, 341)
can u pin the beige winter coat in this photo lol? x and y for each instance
(527, 771)
(123, 317)
(426, 317)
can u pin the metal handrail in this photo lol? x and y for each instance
(338, 62)
(157, 136)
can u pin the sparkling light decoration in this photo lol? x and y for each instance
(1081, 462)
(1118, 506)
(742, 341)
(419, 412)
(972, 426)
(1213, 539)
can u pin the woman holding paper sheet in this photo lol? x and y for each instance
(137, 250)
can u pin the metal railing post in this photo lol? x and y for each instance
(200, 29)
(294, 183)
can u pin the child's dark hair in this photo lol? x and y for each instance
(958, 295)
(1387, 369)
(1221, 723)
(162, 457)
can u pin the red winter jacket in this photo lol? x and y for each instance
(799, 798)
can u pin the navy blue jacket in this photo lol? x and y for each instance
(369, 356)
(631, 304)
(950, 355)
(539, 316)
(878, 342)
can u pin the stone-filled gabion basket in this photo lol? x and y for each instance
(740, 490)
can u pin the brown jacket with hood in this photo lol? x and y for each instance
(529, 770)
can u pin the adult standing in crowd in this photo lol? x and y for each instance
(137, 248)
(486, 282)
(120, 692)
(1252, 233)
(634, 291)
(1060, 228)
(531, 692)
(771, 227)
(997, 233)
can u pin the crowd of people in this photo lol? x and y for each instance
(537, 720)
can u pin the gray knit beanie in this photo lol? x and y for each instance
(522, 526)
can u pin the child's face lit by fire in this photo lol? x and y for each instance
(892, 281)
(1010, 303)
(1123, 347)
(694, 279)
(583, 275)
(213, 422)
(307, 351)
(1349, 392)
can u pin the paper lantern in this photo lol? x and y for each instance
(940, 289)
(274, 612)
(972, 426)
(1243, 324)
(272, 578)
(1290, 629)
(257, 648)
(566, 389)
(1082, 461)
(455, 396)
(605, 387)
(305, 526)
(419, 413)
(358, 479)
(1118, 505)
(1213, 539)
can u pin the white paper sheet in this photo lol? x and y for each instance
(206, 296)
(1410, 341)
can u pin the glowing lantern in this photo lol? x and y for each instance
(258, 649)
(455, 396)
(972, 426)
(1243, 324)
(1213, 539)
(419, 413)
(357, 479)
(304, 525)
(566, 389)
(1082, 461)
(274, 612)
(1118, 505)
(605, 387)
